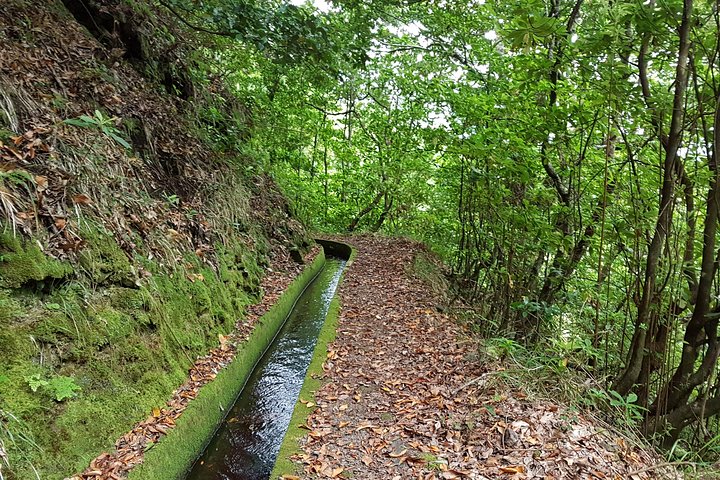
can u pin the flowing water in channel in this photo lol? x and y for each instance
(247, 443)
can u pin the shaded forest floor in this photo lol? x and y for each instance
(406, 395)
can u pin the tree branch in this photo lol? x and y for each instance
(192, 26)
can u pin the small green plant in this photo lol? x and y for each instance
(99, 121)
(60, 388)
(632, 413)
(172, 200)
(502, 347)
(35, 382)
(433, 462)
(63, 388)
(528, 308)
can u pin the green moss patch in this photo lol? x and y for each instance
(23, 262)
(125, 348)
(102, 259)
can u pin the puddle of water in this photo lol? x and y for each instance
(247, 443)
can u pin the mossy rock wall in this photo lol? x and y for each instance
(22, 263)
(112, 345)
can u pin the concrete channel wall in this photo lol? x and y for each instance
(336, 249)
(284, 466)
(172, 457)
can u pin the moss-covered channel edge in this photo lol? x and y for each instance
(172, 457)
(306, 404)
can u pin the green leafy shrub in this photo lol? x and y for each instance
(100, 122)
(60, 387)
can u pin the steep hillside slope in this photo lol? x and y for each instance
(128, 239)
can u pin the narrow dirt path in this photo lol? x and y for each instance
(406, 398)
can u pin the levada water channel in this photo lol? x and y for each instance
(248, 441)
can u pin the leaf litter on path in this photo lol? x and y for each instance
(404, 396)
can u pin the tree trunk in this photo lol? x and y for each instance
(354, 223)
(701, 331)
(383, 215)
(629, 376)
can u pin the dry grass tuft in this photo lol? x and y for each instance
(7, 108)
(7, 208)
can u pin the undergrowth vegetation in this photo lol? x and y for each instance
(561, 373)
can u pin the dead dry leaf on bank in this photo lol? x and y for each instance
(81, 199)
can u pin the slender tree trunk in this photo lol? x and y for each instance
(383, 215)
(629, 376)
(315, 145)
(354, 223)
(562, 264)
(461, 251)
(325, 181)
